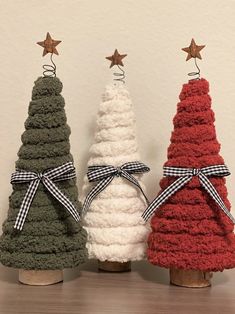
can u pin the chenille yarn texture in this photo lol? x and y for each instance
(116, 231)
(190, 231)
(51, 238)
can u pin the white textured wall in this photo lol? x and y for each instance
(151, 33)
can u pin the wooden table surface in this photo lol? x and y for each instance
(144, 290)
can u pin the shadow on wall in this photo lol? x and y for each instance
(151, 157)
(90, 131)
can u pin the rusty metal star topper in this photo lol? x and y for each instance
(193, 50)
(116, 59)
(49, 45)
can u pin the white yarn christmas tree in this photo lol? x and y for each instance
(116, 231)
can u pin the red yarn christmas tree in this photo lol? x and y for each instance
(190, 231)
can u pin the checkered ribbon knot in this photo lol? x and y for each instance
(47, 178)
(105, 174)
(185, 175)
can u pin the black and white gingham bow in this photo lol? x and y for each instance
(64, 172)
(105, 174)
(186, 174)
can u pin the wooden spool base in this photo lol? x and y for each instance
(190, 278)
(114, 266)
(40, 277)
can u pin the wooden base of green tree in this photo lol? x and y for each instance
(190, 278)
(40, 277)
(114, 266)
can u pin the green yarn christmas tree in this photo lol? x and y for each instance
(51, 238)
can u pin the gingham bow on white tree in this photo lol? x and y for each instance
(105, 174)
(64, 172)
(185, 175)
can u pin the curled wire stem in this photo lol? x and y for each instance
(196, 73)
(49, 70)
(119, 77)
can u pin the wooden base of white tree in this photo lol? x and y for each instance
(114, 266)
(190, 278)
(40, 277)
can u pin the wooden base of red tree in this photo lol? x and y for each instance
(40, 277)
(114, 266)
(190, 278)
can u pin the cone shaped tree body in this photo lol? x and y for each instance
(190, 231)
(50, 238)
(116, 231)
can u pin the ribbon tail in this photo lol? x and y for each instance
(162, 197)
(53, 189)
(133, 180)
(211, 190)
(95, 191)
(24, 208)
